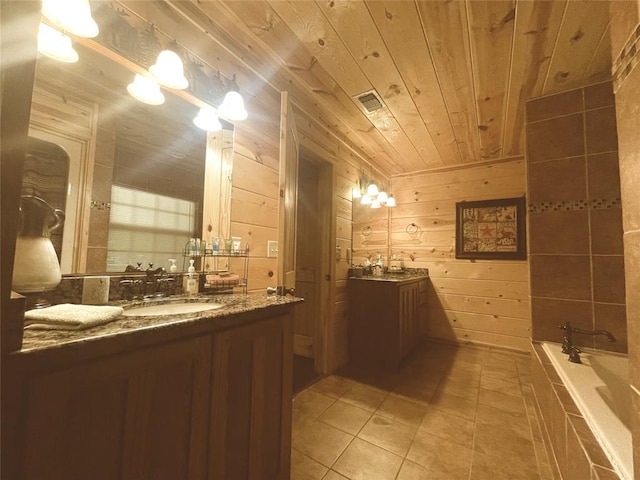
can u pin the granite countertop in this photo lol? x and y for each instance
(238, 309)
(410, 275)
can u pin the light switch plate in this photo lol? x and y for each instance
(272, 249)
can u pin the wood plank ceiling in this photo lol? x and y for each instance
(451, 76)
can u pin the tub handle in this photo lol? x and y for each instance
(574, 355)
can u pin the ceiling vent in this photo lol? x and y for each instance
(370, 101)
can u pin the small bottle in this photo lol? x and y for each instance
(173, 266)
(190, 282)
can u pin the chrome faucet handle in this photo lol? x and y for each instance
(280, 290)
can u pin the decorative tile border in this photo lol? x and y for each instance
(575, 205)
(627, 60)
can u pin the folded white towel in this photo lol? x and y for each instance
(67, 316)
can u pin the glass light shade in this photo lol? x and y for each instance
(391, 202)
(169, 70)
(372, 190)
(232, 106)
(375, 203)
(382, 197)
(365, 200)
(72, 16)
(55, 44)
(208, 120)
(145, 90)
(356, 193)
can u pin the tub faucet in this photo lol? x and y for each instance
(567, 340)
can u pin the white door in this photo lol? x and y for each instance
(288, 197)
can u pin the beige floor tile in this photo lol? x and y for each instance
(332, 386)
(453, 428)
(310, 403)
(299, 421)
(440, 457)
(413, 471)
(416, 390)
(489, 415)
(345, 417)
(332, 475)
(501, 385)
(322, 442)
(516, 445)
(388, 434)
(364, 461)
(504, 374)
(466, 390)
(501, 401)
(500, 467)
(305, 468)
(364, 397)
(454, 405)
(402, 410)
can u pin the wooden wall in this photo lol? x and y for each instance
(476, 301)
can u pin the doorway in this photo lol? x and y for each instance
(312, 266)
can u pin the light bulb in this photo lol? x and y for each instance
(372, 190)
(375, 203)
(169, 70)
(55, 44)
(356, 193)
(232, 106)
(145, 90)
(207, 119)
(365, 200)
(382, 197)
(391, 202)
(72, 16)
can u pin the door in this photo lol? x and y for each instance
(308, 255)
(288, 183)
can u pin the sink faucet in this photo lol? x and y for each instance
(153, 279)
(567, 340)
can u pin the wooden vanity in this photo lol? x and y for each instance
(387, 318)
(193, 396)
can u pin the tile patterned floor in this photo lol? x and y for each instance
(450, 413)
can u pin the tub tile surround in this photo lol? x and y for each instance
(450, 412)
(575, 216)
(574, 449)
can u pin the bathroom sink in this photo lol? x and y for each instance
(171, 309)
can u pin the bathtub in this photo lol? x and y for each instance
(600, 388)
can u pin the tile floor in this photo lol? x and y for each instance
(450, 413)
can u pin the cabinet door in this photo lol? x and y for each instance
(251, 412)
(409, 324)
(140, 415)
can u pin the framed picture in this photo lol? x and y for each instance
(491, 229)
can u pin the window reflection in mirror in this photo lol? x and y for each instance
(121, 142)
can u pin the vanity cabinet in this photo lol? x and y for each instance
(210, 406)
(387, 319)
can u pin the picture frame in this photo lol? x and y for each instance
(491, 229)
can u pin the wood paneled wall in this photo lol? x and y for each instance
(476, 301)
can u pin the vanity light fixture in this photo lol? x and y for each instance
(391, 202)
(207, 119)
(372, 190)
(375, 203)
(145, 90)
(382, 197)
(71, 16)
(356, 193)
(365, 200)
(232, 107)
(55, 44)
(169, 70)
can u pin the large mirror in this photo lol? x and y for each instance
(134, 181)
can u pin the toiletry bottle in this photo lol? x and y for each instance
(190, 280)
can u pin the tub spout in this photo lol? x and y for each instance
(567, 341)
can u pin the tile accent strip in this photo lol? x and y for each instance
(627, 60)
(574, 205)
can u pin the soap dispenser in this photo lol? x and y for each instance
(190, 281)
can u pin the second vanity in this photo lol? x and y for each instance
(186, 396)
(387, 317)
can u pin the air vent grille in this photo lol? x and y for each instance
(370, 101)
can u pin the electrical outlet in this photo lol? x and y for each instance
(272, 249)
